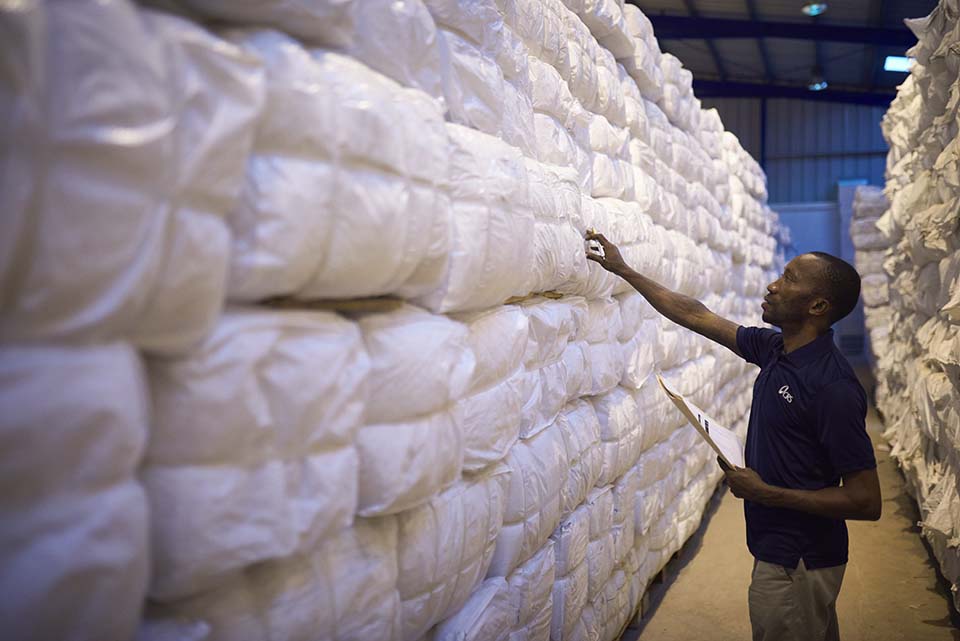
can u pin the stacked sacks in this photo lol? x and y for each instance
(76, 419)
(490, 258)
(918, 390)
(351, 578)
(125, 138)
(450, 155)
(491, 408)
(411, 445)
(252, 441)
(571, 588)
(170, 144)
(381, 224)
(869, 204)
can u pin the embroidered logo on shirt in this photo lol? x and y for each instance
(785, 393)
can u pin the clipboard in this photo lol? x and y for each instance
(724, 441)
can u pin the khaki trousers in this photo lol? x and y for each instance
(794, 604)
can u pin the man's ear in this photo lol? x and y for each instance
(819, 307)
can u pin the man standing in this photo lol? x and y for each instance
(810, 463)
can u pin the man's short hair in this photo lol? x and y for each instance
(842, 284)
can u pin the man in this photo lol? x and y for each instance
(810, 463)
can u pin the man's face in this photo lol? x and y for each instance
(789, 298)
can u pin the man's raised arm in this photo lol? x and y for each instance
(681, 309)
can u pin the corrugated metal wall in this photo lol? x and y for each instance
(809, 145)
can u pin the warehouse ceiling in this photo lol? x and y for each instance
(763, 48)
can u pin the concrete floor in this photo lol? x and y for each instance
(891, 590)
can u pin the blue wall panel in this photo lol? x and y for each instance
(809, 145)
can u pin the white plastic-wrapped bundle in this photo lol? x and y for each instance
(554, 371)
(532, 588)
(488, 615)
(348, 204)
(603, 353)
(473, 84)
(570, 594)
(74, 533)
(581, 436)
(600, 551)
(537, 472)
(558, 244)
(553, 324)
(131, 245)
(345, 589)
(445, 547)
(253, 438)
(491, 410)
(638, 337)
(491, 258)
(411, 445)
(621, 431)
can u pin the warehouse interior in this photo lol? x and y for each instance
(460, 320)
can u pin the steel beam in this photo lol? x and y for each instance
(761, 45)
(686, 27)
(711, 45)
(718, 89)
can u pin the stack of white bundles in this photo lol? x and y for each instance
(368, 147)
(492, 407)
(580, 429)
(517, 126)
(473, 83)
(600, 329)
(133, 245)
(554, 110)
(581, 68)
(638, 338)
(634, 107)
(612, 608)
(869, 204)
(621, 431)
(343, 589)
(914, 322)
(652, 467)
(606, 22)
(74, 539)
(491, 257)
(554, 199)
(659, 419)
(643, 64)
(451, 155)
(624, 513)
(253, 438)
(411, 446)
(552, 326)
(570, 591)
(488, 615)
(600, 551)
(531, 586)
(539, 24)
(445, 548)
(537, 473)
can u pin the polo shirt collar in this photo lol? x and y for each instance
(817, 347)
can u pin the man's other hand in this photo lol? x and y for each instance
(744, 482)
(610, 259)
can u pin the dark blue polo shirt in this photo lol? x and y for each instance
(807, 428)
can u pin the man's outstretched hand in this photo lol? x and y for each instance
(610, 259)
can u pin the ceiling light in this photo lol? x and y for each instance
(814, 8)
(898, 63)
(817, 81)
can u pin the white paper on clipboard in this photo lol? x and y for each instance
(723, 441)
